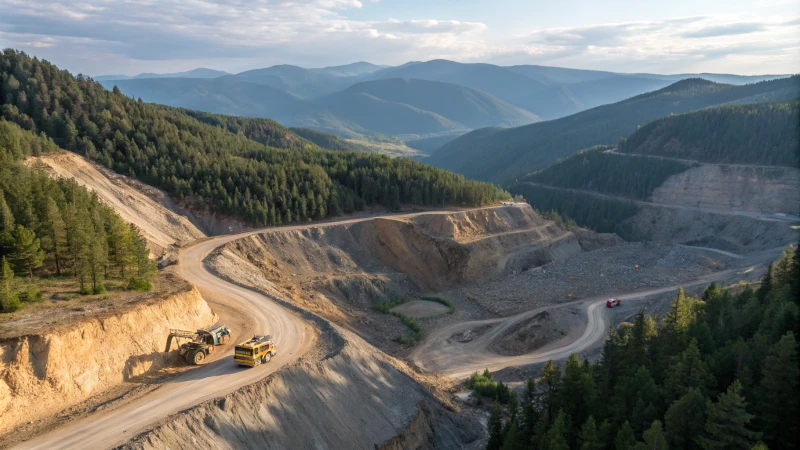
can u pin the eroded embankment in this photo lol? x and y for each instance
(148, 208)
(41, 374)
(364, 263)
(733, 188)
(345, 394)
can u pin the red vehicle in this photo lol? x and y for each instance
(610, 303)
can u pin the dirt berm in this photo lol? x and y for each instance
(345, 394)
(44, 373)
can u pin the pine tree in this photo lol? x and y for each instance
(556, 437)
(495, 428)
(577, 391)
(689, 372)
(9, 302)
(530, 412)
(795, 279)
(551, 382)
(779, 399)
(782, 271)
(513, 438)
(625, 439)
(588, 437)
(766, 283)
(25, 253)
(684, 420)
(55, 234)
(654, 438)
(6, 217)
(727, 421)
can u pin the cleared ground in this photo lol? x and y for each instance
(420, 309)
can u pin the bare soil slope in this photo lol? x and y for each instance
(343, 394)
(340, 271)
(137, 203)
(46, 372)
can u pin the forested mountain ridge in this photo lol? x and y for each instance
(502, 156)
(598, 170)
(720, 371)
(57, 227)
(761, 134)
(206, 165)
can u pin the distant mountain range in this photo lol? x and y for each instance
(503, 155)
(428, 103)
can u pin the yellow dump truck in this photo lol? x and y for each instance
(253, 352)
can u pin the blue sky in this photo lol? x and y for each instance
(127, 36)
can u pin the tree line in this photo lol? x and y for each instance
(761, 133)
(207, 165)
(716, 372)
(604, 215)
(56, 227)
(595, 169)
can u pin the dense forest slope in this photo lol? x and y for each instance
(57, 227)
(469, 107)
(503, 155)
(207, 166)
(598, 170)
(761, 134)
(236, 98)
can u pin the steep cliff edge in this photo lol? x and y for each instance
(44, 373)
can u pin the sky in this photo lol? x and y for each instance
(99, 37)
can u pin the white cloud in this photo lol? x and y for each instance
(129, 36)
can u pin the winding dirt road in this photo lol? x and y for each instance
(256, 313)
(253, 312)
(441, 352)
(293, 336)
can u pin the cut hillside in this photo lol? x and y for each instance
(342, 271)
(758, 134)
(138, 204)
(84, 348)
(504, 155)
(469, 107)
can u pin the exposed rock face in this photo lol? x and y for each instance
(45, 373)
(733, 188)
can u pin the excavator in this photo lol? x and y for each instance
(200, 343)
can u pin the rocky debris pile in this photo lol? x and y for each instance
(605, 271)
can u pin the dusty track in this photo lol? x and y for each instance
(293, 337)
(256, 313)
(251, 310)
(440, 352)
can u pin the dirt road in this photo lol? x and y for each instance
(292, 335)
(253, 312)
(443, 352)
